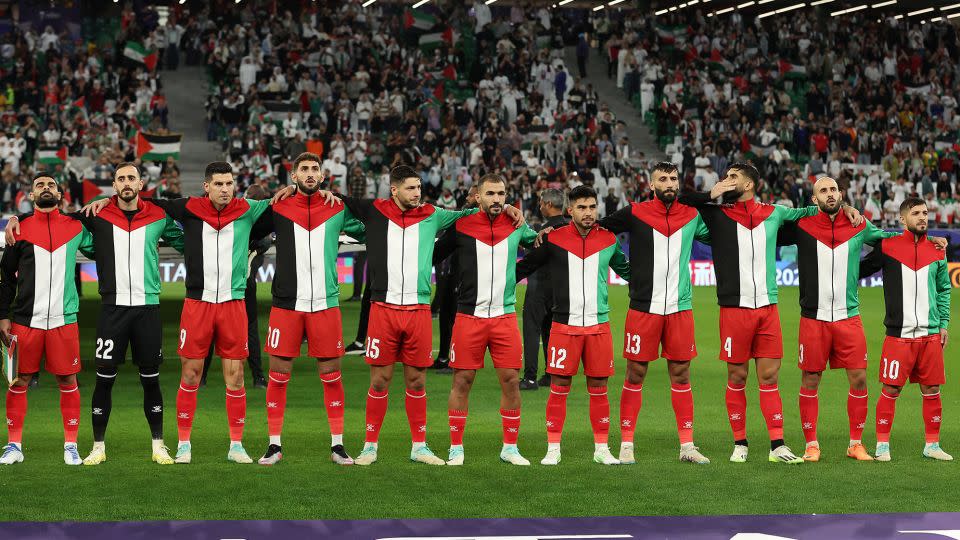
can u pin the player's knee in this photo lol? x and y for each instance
(66, 380)
(415, 385)
(150, 375)
(108, 372)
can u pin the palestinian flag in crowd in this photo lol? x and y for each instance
(52, 155)
(429, 42)
(136, 52)
(717, 61)
(792, 70)
(449, 73)
(94, 189)
(277, 110)
(152, 147)
(671, 35)
(418, 19)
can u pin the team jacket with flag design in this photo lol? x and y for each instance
(486, 251)
(743, 236)
(916, 285)
(216, 244)
(308, 233)
(828, 257)
(661, 239)
(579, 269)
(127, 251)
(400, 247)
(38, 272)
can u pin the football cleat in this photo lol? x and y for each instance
(183, 453)
(339, 456)
(603, 456)
(355, 348)
(883, 451)
(161, 456)
(739, 454)
(511, 454)
(933, 451)
(782, 454)
(626, 454)
(11, 454)
(812, 453)
(693, 455)
(552, 457)
(859, 453)
(368, 456)
(425, 455)
(455, 457)
(70, 454)
(97, 456)
(237, 454)
(272, 456)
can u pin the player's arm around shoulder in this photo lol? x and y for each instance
(943, 288)
(619, 262)
(534, 259)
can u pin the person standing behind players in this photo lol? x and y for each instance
(306, 301)
(916, 292)
(37, 278)
(486, 245)
(579, 257)
(743, 235)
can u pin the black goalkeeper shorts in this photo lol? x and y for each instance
(138, 326)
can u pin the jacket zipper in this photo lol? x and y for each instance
(753, 258)
(490, 301)
(403, 256)
(129, 269)
(50, 289)
(310, 247)
(219, 226)
(666, 279)
(583, 279)
(916, 289)
(833, 269)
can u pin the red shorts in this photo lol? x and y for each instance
(644, 334)
(841, 344)
(569, 344)
(323, 330)
(60, 346)
(204, 322)
(473, 335)
(400, 335)
(747, 333)
(919, 360)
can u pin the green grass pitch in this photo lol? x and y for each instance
(307, 486)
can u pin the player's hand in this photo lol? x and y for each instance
(854, 215)
(94, 207)
(12, 228)
(515, 214)
(943, 336)
(283, 194)
(938, 241)
(5, 331)
(543, 232)
(328, 197)
(722, 187)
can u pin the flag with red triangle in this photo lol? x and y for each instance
(52, 155)
(153, 147)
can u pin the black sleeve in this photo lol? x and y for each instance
(787, 235)
(175, 208)
(445, 245)
(619, 221)
(87, 221)
(360, 208)
(262, 227)
(9, 265)
(696, 199)
(873, 262)
(534, 260)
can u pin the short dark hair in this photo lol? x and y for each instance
(256, 192)
(216, 167)
(306, 156)
(493, 178)
(909, 203)
(748, 169)
(664, 166)
(400, 173)
(123, 164)
(581, 192)
(44, 175)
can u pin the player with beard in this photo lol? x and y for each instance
(306, 303)
(916, 292)
(37, 279)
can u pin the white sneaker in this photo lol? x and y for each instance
(626, 454)
(552, 457)
(183, 453)
(425, 455)
(11, 454)
(237, 454)
(883, 451)
(783, 455)
(739, 454)
(339, 456)
(161, 456)
(70, 454)
(97, 456)
(603, 456)
(455, 456)
(692, 454)
(511, 454)
(933, 451)
(368, 456)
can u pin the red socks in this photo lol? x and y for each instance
(599, 413)
(276, 401)
(186, 408)
(511, 425)
(236, 412)
(737, 410)
(376, 410)
(932, 410)
(70, 411)
(557, 412)
(16, 412)
(857, 412)
(631, 399)
(417, 415)
(772, 409)
(682, 399)
(458, 423)
(886, 408)
(809, 411)
(333, 399)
